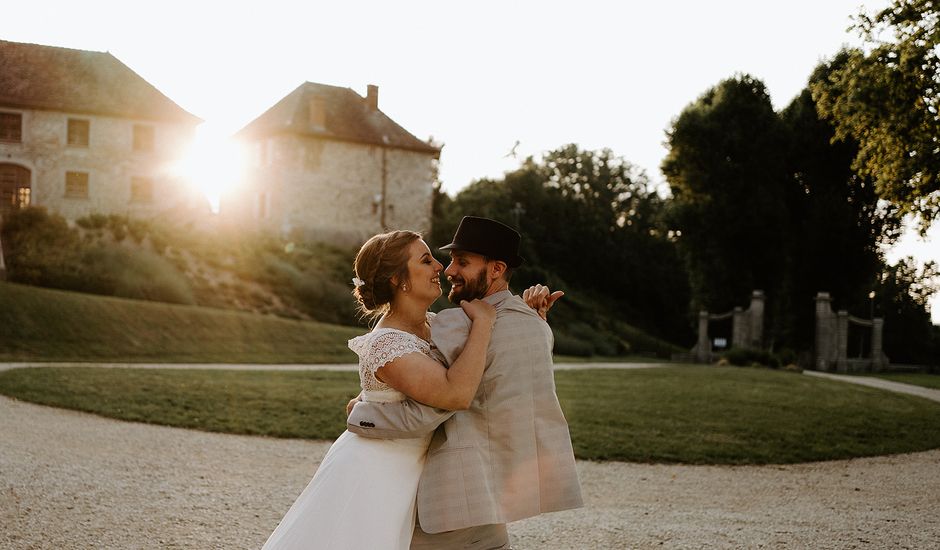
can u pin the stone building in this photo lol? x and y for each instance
(81, 133)
(327, 162)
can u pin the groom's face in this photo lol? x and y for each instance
(467, 274)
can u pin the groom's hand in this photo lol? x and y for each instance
(541, 299)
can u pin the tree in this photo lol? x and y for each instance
(591, 221)
(887, 100)
(726, 170)
(837, 221)
(902, 295)
(616, 237)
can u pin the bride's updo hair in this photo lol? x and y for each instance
(382, 258)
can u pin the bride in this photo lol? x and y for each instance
(363, 493)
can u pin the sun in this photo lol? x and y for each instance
(213, 164)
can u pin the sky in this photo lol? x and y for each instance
(476, 76)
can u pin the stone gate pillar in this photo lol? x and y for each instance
(877, 354)
(756, 325)
(842, 340)
(703, 346)
(825, 333)
(739, 324)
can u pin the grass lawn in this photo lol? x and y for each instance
(40, 324)
(738, 415)
(915, 378)
(720, 415)
(304, 404)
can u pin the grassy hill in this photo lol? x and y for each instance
(219, 268)
(54, 325)
(40, 324)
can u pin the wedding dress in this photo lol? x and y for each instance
(363, 493)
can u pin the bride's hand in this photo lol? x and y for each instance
(479, 311)
(352, 403)
(541, 299)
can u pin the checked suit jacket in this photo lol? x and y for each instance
(509, 455)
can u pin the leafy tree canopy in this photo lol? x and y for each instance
(592, 224)
(886, 98)
(726, 170)
(837, 221)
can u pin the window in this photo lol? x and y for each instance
(141, 189)
(14, 187)
(11, 127)
(143, 137)
(22, 197)
(76, 185)
(78, 132)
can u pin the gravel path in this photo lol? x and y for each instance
(73, 480)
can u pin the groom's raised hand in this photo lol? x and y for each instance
(541, 299)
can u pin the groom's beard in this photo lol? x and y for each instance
(469, 289)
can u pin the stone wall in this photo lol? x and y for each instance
(333, 190)
(109, 160)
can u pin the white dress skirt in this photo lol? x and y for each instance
(363, 494)
(361, 497)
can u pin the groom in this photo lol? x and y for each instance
(508, 456)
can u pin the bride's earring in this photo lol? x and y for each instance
(404, 287)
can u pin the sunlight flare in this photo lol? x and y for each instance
(213, 164)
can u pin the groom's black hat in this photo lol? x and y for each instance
(488, 238)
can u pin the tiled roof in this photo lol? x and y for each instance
(347, 117)
(78, 81)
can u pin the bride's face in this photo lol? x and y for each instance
(424, 272)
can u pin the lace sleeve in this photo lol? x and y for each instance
(386, 347)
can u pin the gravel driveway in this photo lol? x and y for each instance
(73, 480)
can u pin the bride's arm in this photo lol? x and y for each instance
(427, 381)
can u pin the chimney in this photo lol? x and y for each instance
(372, 97)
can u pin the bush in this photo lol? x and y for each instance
(637, 341)
(325, 299)
(748, 357)
(139, 275)
(40, 249)
(568, 345)
(118, 227)
(599, 341)
(94, 221)
(787, 356)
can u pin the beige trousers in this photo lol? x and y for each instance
(481, 537)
